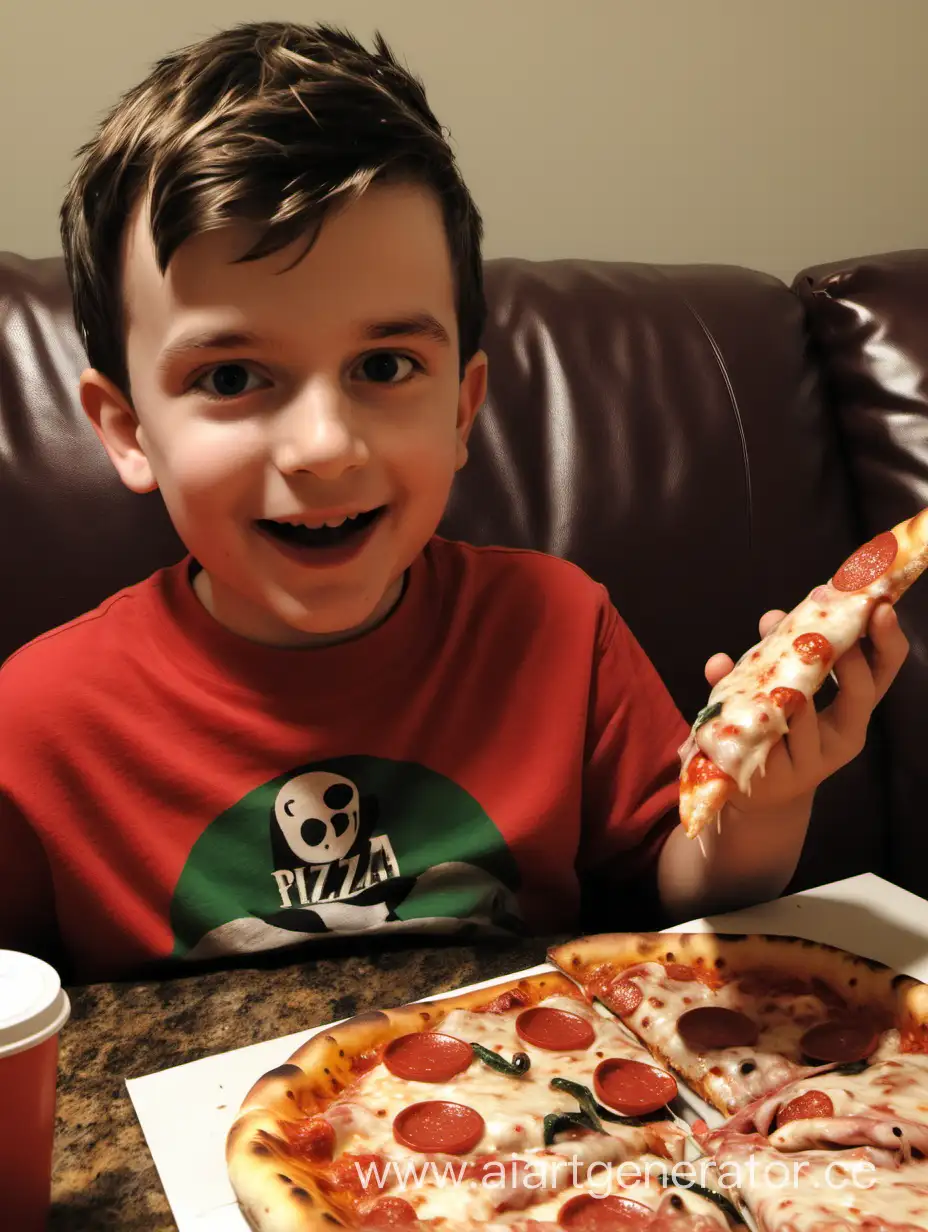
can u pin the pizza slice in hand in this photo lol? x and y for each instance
(748, 710)
(739, 1017)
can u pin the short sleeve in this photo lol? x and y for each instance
(631, 771)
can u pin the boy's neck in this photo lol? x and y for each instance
(226, 615)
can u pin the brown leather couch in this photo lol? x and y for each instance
(706, 441)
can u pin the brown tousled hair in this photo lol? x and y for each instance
(270, 123)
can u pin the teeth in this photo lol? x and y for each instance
(333, 523)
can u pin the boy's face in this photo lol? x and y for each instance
(269, 400)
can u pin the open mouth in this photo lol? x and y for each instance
(321, 536)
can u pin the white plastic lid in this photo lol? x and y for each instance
(33, 1005)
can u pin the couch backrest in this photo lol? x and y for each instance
(660, 426)
(868, 322)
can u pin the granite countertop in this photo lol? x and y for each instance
(104, 1176)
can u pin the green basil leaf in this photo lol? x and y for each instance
(584, 1096)
(850, 1067)
(557, 1122)
(608, 1115)
(515, 1068)
(581, 1094)
(707, 713)
(723, 1203)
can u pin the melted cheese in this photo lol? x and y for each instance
(740, 737)
(820, 1191)
(616, 1161)
(512, 1108)
(782, 1020)
(638, 1185)
(557, 1181)
(548, 1177)
(867, 1107)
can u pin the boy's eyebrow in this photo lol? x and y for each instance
(419, 324)
(207, 340)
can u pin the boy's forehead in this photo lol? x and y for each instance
(384, 256)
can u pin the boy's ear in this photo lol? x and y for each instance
(117, 426)
(471, 395)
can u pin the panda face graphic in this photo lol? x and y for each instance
(319, 815)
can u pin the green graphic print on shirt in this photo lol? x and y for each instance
(343, 845)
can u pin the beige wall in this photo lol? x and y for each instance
(770, 133)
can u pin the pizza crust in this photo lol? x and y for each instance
(276, 1191)
(275, 1186)
(858, 979)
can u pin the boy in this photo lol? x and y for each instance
(325, 719)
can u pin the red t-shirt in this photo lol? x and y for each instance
(170, 789)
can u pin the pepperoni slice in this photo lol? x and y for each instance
(790, 701)
(678, 971)
(556, 1030)
(439, 1125)
(427, 1056)
(715, 1026)
(702, 769)
(624, 997)
(867, 564)
(839, 1040)
(314, 1138)
(632, 1087)
(506, 1001)
(611, 1213)
(390, 1213)
(813, 648)
(358, 1173)
(809, 1104)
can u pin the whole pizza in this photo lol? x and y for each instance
(566, 1099)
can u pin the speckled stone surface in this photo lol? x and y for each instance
(104, 1176)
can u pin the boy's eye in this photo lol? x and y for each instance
(387, 367)
(228, 381)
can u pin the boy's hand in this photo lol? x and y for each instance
(818, 744)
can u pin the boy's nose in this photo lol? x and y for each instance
(316, 432)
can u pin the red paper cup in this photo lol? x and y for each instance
(33, 1009)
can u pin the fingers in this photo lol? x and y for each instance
(861, 684)
(845, 721)
(890, 647)
(804, 742)
(769, 621)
